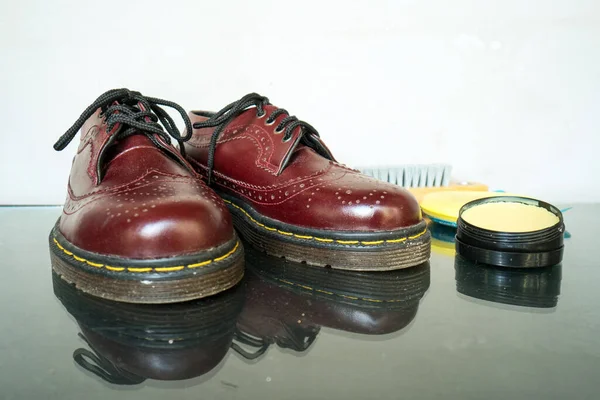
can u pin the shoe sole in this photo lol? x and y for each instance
(152, 281)
(355, 251)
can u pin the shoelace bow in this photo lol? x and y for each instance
(132, 118)
(222, 118)
(242, 337)
(103, 368)
(296, 339)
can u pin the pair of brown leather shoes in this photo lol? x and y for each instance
(141, 225)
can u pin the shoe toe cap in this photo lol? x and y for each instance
(359, 203)
(175, 219)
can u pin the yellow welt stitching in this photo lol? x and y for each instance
(62, 248)
(221, 258)
(338, 295)
(323, 240)
(169, 269)
(305, 287)
(396, 240)
(94, 264)
(200, 264)
(228, 254)
(374, 242)
(366, 243)
(323, 291)
(372, 300)
(139, 269)
(157, 269)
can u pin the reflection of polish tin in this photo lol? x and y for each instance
(511, 247)
(526, 287)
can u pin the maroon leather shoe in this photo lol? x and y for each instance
(289, 197)
(138, 225)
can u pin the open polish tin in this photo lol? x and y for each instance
(510, 231)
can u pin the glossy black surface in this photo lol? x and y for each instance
(447, 329)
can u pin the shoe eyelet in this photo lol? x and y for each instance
(259, 116)
(285, 140)
(277, 131)
(267, 122)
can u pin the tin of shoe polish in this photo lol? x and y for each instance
(510, 231)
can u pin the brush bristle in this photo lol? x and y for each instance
(411, 176)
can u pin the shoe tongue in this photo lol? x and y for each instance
(135, 140)
(276, 157)
(138, 138)
(146, 154)
(297, 142)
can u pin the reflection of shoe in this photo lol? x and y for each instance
(138, 224)
(133, 342)
(528, 287)
(287, 303)
(290, 198)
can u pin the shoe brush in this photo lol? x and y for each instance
(422, 179)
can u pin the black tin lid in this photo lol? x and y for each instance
(541, 248)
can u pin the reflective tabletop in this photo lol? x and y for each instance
(444, 329)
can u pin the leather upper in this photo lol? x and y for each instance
(148, 203)
(311, 191)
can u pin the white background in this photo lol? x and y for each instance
(506, 91)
